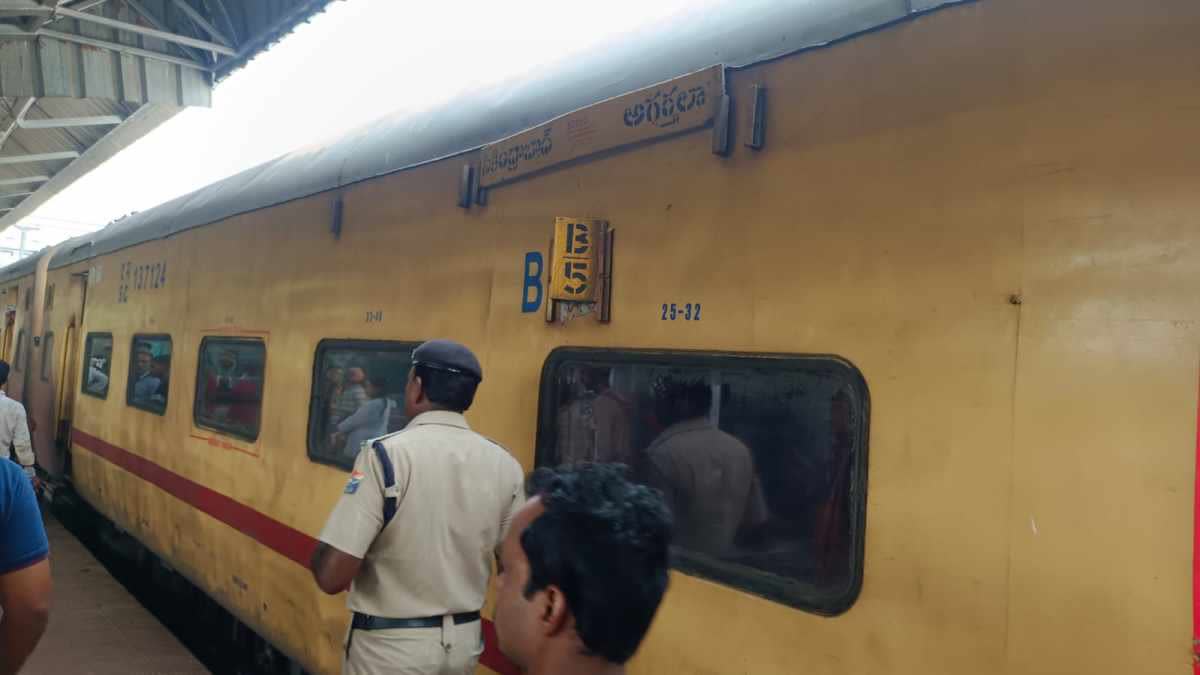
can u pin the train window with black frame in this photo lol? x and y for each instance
(357, 395)
(97, 364)
(762, 458)
(21, 349)
(149, 373)
(229, 386)
(47, 356)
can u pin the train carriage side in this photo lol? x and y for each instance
(19, 284)
(1005, 267)
(53, 375)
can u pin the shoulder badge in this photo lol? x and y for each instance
(355, 479)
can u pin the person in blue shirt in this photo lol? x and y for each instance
(24, 569)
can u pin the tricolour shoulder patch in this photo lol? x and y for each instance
(355, 479)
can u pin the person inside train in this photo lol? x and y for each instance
(14, 428)
(595, 425)
(160, 367)
(351, 395)
(25, 585)
(582, 571)
(369, 421)
(97, 378)
(231, 393)
(145, 385)
(707, 475)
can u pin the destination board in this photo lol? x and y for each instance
(687, 102)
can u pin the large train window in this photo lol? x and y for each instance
(22, 348)
(149, 373)
(97, 364)
(47, 356)
(761, 458)
(229, 386)
(358, 394)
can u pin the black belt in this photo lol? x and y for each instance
(367, 622)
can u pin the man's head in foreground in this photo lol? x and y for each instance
(583, 569)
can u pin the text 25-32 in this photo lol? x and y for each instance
(685, 312)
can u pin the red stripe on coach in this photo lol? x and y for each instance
(283, 539)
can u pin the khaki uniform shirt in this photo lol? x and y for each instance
(457, 492)
(709, 480)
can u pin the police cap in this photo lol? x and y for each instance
(448, 356)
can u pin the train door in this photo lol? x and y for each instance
(10, 324)
(23, 344)
(51, 399)
(69, 372)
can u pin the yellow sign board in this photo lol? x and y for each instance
(573, 260)
(664, 109)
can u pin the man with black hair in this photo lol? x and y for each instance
(417, 526)
(582, 571)
(14, 428)
(145, 385)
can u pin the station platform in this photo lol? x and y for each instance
(96, 626)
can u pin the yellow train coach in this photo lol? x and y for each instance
(934, 264)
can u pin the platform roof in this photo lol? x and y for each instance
(82, 79)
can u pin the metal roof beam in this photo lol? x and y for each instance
(287, 19)
(35, 22)
(118, 47)
(233, 31)
(65, 122)
(149, 32)
(86, 5)
(203, 23)
(41, 157)
(24, 8)
(153, 20)
(10, 195)
(16, 119)
(24, 180)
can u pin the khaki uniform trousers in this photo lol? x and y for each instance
(449, 650)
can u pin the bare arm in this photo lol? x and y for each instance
(333, 569)
(25, 597)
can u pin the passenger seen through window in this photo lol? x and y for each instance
(149, 373)
(97, 364)
(760, 458)
(358, 395)
(230, 387)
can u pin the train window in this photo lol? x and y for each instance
(21, 349)
(47, 356)
(358, 394)
(149, 373)
(97, 364)
(229, 386)
(762, 459)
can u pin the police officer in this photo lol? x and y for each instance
(417, 525)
